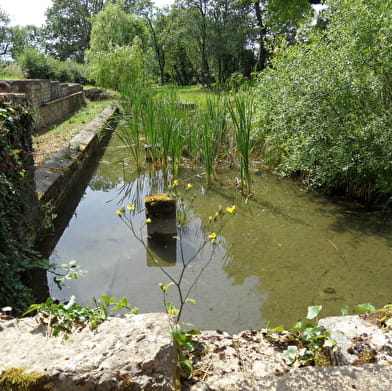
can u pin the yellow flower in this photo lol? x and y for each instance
(231, 209)
(175, 183)
(148, 221)
(131, 207)
(119, 212)
(210, 218)
(212, 237)
(189, 186)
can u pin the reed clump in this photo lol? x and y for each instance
(175, 134)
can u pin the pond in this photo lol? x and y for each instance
(283, 250)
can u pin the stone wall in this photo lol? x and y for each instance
(53, 101)
(56, 178)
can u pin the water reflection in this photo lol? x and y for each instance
(284, 250)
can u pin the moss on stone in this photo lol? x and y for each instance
(322, 358)
(160, 197)
(19, 379)
(379, 317)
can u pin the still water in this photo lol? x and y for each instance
(282, 251)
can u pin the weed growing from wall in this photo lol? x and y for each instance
(17, 200)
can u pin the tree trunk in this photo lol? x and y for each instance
(263, 53)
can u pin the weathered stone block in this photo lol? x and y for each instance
(130, 352)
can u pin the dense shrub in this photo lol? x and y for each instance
(325, 104)
(37, 65)
(10, 71)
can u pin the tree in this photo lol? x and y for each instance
(325, 104)
(116, 47)
(4, 41)
(22, 38)
(113, 26)
(278, 17)
(157, 24)
(68, 27)
(230, 32)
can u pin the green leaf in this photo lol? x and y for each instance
(187, 367)
(193, 332)
(344, 310)
(313, 311)
(291, 354)
(297, 326)
(189, 346)
(276, 329)
(366, 307)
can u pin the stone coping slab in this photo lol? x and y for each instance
(55, 178)
(136, 352)
(129, 352)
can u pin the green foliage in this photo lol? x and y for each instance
(156, 119)
(63, 318)
(213, 126)
(325, 103)
(16, 251)
(305, 343)
(116, 56)
(241, 111)
(37, 65)
(11, 71)
(72, 272)
(21, 379)
(114, 27)
(120, 65)
(68, 27)
(4, 21)
(366, 307)
(182, 337)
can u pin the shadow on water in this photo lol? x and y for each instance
(47, 240)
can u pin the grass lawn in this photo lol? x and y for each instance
(47, 142)
(195, 94)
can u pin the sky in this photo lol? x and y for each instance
(22, 12)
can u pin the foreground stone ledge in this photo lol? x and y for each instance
(247, 362)
(136, 352)
(131, 352)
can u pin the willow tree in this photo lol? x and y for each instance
(116, 47)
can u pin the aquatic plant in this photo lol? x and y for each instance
(241, 109)
(129, 127)
(213, 126)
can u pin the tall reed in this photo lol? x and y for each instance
(213, 126)
(241, 109)
(132, 102)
